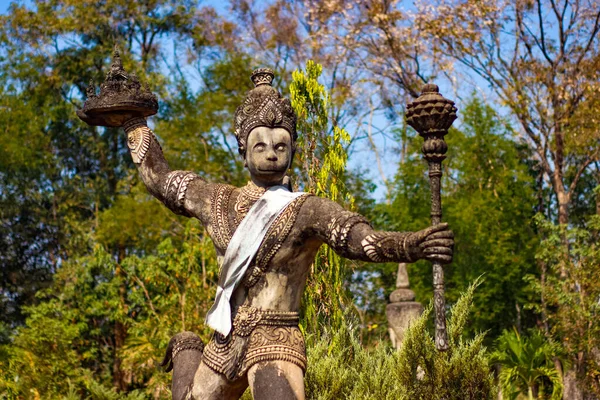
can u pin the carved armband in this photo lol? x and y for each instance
(387, 246)
(139, 138)
(188, 343)
(339, 229)
(221, 231)
(181, 342)
(175, 189)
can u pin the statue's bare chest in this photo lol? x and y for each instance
(230, 205)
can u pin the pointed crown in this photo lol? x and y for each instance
(263, 106)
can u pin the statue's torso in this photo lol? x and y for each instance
(276, 278)
(265, 305)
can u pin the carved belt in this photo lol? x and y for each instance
(247, 318)
(258, 335)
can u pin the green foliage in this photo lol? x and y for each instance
(341, 368)
(99, 392)
(325, 296)
(26, 240)
(70, 198)
(67, 343)
(196, 125)
(570, 291)
(58, 175)
(95, 274)
(527, 365)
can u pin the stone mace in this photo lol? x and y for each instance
(432, 115)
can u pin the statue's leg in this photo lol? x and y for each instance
(183, 356)
(276, 380)
(211, 385)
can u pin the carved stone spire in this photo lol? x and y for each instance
(117, 72)
(402, 309)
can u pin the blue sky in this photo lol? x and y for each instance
(4, 6)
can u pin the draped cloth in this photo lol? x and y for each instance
(242, 249)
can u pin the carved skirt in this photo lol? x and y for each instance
(257, 335)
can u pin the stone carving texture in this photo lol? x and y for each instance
(276, 343)
(181, 342)
(258, 335)
(175, 188)
(432, 115)
(386, 246)
(247, 197)
(263, 106)
(276, 235)
(340, 226)
(220, 230)
(139, 139)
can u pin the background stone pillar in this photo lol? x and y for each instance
(402, 308)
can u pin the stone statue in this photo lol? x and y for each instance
(257, 341)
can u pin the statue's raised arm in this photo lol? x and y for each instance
(123, 102)
(183, 192)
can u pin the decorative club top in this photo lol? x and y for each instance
(431, 113)
(263, 106)
(121, 96)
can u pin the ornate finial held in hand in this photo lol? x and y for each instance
(121, 98)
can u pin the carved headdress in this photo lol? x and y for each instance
(263, 106)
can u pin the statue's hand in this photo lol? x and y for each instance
(435, 243)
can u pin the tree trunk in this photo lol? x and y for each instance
(572, 389)
(563, 219)
(530, 393)
(563, 209)
(120, 378)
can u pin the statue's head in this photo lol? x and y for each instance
(265, 128)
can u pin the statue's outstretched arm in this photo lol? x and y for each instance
(183, 192)
(350, 235)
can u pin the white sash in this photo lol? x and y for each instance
(242, 248)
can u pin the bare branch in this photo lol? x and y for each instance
(591, 159)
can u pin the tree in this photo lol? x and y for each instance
(68, 344)
(28, 227)
(323, 163)
(60, 173)
(570, 308)
(541, 59)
